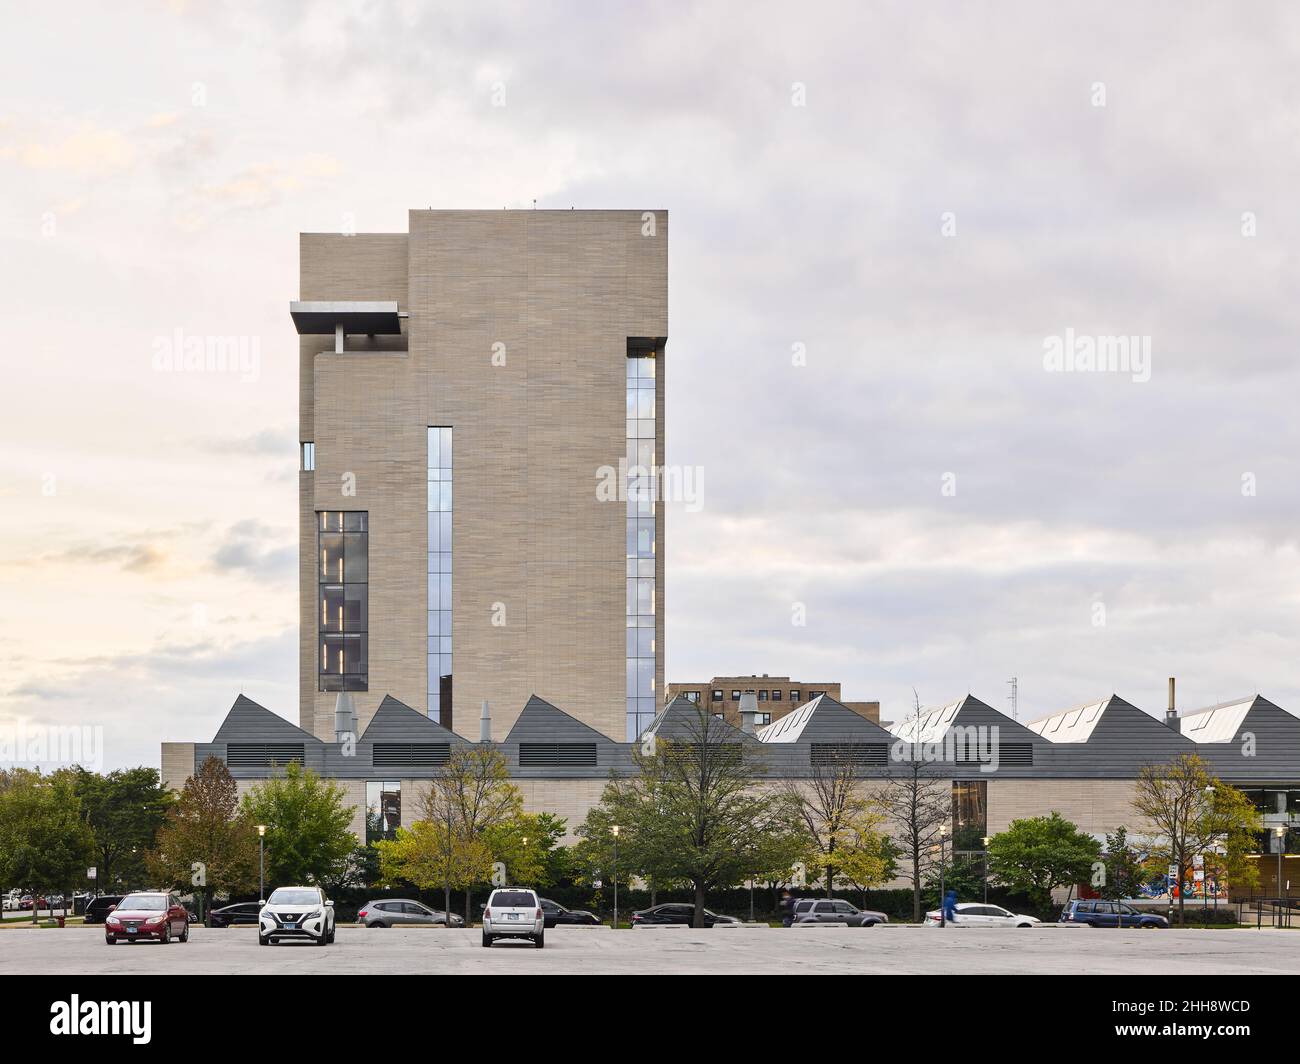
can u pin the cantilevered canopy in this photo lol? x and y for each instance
(322, 319)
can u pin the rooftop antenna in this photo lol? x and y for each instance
(1013, 698)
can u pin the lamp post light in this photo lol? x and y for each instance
(615, 833)
(1280, 831)
(261, 864)
(943, 893)
(986, 839)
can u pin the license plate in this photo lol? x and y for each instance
(513, 916)
(291, 927)
(131, 930)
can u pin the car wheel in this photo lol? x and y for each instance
(1024, 925)
(110, 940)
(540, 940)
(324, 939)
(379, 923)
(166, 937)
(333, 931)
(185, 935)
(487, 940)
(263, 941)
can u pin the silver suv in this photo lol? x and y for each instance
(514, 912)
(835, 911)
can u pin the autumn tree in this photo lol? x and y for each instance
(471, 796)
(839, 819)
(206, 843)
(1190, 813)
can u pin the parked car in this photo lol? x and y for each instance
(977, 914)
(11, 900)
(835, 911)
(99, 907)
(554, 913)
(402, 912)
(242, 912)
(677, 913)
(147, 915)
(28, 901)
(1109, 914)
(296, 912)
(514, 912)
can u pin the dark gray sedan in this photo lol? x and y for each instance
(835, 911)
(402, 912)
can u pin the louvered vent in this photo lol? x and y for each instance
(539, 755)
(263, 755)
(383, 755)
(848, 753)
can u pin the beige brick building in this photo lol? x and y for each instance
(517, 334)
(776, 696)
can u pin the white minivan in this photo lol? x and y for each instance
(514, 912)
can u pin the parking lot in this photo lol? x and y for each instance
(758, 950)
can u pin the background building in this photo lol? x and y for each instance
(776, 695)
(463, 386)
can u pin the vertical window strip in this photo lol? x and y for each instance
(439, 635)
(640, 555)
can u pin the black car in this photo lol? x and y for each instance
(677, 913)
(244, 912)
(99, 907)
(554, 913)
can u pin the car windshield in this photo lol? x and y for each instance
(290, 896)
(144, 902)
(513, 899)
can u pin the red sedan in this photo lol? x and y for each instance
(152, 915)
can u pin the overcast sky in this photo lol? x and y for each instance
(881, 216)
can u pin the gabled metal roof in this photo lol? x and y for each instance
(680, 719)
(249, 722)
(396, 722)
(1113, 721)
(823, 720)
(933, 723)
(541, 722)
(1216, 724)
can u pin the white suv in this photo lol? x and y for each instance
(296, 912)
(514, 912)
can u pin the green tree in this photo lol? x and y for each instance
(44, 842)
(1036, 855)
(524, 844)
(125, 810)
(1190, 812)
(694, 811)
(1122, 870)
(206, 843)
(308, 827)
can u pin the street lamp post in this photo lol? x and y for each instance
(261, 864)
(615, 831)
(986, 839)
(1280, 831)
(943, 893)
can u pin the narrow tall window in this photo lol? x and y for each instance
(641, 590)
(439, 603)
(343, 576)
(308, 456)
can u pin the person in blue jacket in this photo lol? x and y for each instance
(950, 907)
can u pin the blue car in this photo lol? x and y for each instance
(1109, 914)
